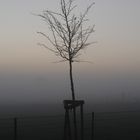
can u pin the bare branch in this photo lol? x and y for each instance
(69, 34)
(46, 37)
(83, 61)
(41, 44)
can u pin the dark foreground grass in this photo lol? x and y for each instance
(107, 126)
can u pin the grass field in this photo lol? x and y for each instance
(107, 126)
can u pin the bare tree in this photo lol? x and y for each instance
(69, 33)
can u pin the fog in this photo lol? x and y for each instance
(53, 87)
(29, 79)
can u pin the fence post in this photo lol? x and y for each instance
(72, 105)
(92, 127)
(15, 128)
(82, 123)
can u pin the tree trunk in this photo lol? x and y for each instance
(73, 98)
(71, 81)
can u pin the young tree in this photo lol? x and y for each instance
(69, 34)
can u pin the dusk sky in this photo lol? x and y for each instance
(27, 71)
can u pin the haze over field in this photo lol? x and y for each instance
(29, 76)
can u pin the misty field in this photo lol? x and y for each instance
(107, 126)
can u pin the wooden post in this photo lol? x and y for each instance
(71, 105)
(69, 126)
(65, 126)
(82, 123)
(92, 127)
(75, 124)
(15, 128)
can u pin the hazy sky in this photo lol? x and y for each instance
(27, 73)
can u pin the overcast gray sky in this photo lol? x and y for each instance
(27, 73)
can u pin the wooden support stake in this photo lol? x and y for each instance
(82, 123)
(15, 128)
(72, 105)
(75, 124)
(92, 127)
